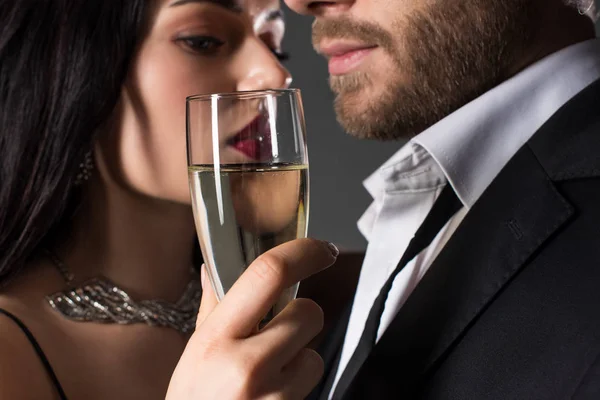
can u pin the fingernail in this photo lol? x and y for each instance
(202, 275)
(333, 249)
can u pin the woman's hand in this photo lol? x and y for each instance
(226, 358)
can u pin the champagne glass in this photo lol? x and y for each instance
(248, 175)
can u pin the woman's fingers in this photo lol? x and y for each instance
(255, 292)
(290, 331)
(301, 375)
(209, 299)
(226, 358)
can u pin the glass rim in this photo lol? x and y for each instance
(244, 95)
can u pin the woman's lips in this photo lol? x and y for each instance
(254, 140)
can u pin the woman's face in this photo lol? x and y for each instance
(191, 47)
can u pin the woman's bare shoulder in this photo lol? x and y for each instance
(22, 372)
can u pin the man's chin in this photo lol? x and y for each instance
(352, 121)
(363, 118)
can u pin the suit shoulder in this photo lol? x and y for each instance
(568, 144)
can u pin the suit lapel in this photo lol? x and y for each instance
(518, 213)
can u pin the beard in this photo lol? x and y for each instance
(452, 52)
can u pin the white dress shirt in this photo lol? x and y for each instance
(468, 148)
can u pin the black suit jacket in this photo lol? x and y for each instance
(510, 309)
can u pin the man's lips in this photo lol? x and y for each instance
(344, 56)
(254, 140)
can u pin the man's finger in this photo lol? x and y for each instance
(255, 292)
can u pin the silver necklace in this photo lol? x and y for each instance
(100, 300)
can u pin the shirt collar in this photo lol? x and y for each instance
(412, 169)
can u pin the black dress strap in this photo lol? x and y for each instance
(39, 352)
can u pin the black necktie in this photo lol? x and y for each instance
(443, 209)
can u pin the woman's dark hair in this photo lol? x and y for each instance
(62, 67)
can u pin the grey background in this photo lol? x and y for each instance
(338, 162)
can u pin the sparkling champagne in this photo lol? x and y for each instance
(241, 211)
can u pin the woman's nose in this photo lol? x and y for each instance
(261, 70)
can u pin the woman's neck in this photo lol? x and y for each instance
(143, 245)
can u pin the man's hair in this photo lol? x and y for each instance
(587, 7)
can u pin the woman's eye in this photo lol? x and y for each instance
(281, 55)
(202, 44)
